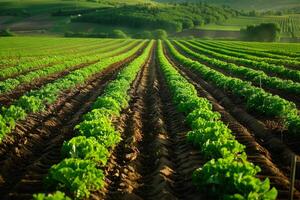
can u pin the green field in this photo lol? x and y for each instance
(145, 100)
(108, 108)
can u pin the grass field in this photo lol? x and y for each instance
(146, 119)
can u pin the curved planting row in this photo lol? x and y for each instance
(36, 100)
(249, 74)
(19, 55)
(247, 50)
(85, 154)
(256, 98)
(227, 174)
(244, 54)
(16, 47)
(39, 63)
(272, 48)
(45, 53)
(280, 71)
(10, 84)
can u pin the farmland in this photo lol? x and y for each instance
(148, 119)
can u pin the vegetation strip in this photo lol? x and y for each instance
(10, 84)
(216, 142)
(280, 71)
(243, 54)
(87, 153)
(36, 100)
(255, 76)
(256, 98)
(34, 64)
(50, 57)
(248, 50)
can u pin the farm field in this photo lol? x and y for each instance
(148, 119)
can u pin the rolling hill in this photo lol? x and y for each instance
(60, 16)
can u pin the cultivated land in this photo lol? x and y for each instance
(145, 119)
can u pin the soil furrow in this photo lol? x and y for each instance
(153, 161)
(35, 147)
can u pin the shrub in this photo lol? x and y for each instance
(6, 33)
(118, 34)
(160, 34)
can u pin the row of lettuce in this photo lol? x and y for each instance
(255, 76)
(67, 63)
(286, 61)
(31, 52)
(268, 68)
(39, 62)
(256, 98)
(36, 100)
(288, 49)
(243, 49)
(227, 174)
(86, 154)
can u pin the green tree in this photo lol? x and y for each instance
(160, 34)
(118, 34)
(265, 32)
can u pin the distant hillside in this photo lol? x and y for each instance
(249, 4)
(94, 16)
(172, 18)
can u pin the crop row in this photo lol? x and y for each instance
(216, 48)
(55, 54)
(10, 84)
(31, 46)
(257, 77)
(280, 71)
(289, 24)
(256, 98)
(227, 174)
(50, 60)
(289, 49)
(246, 50)
(84, 155)
(36, 100)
